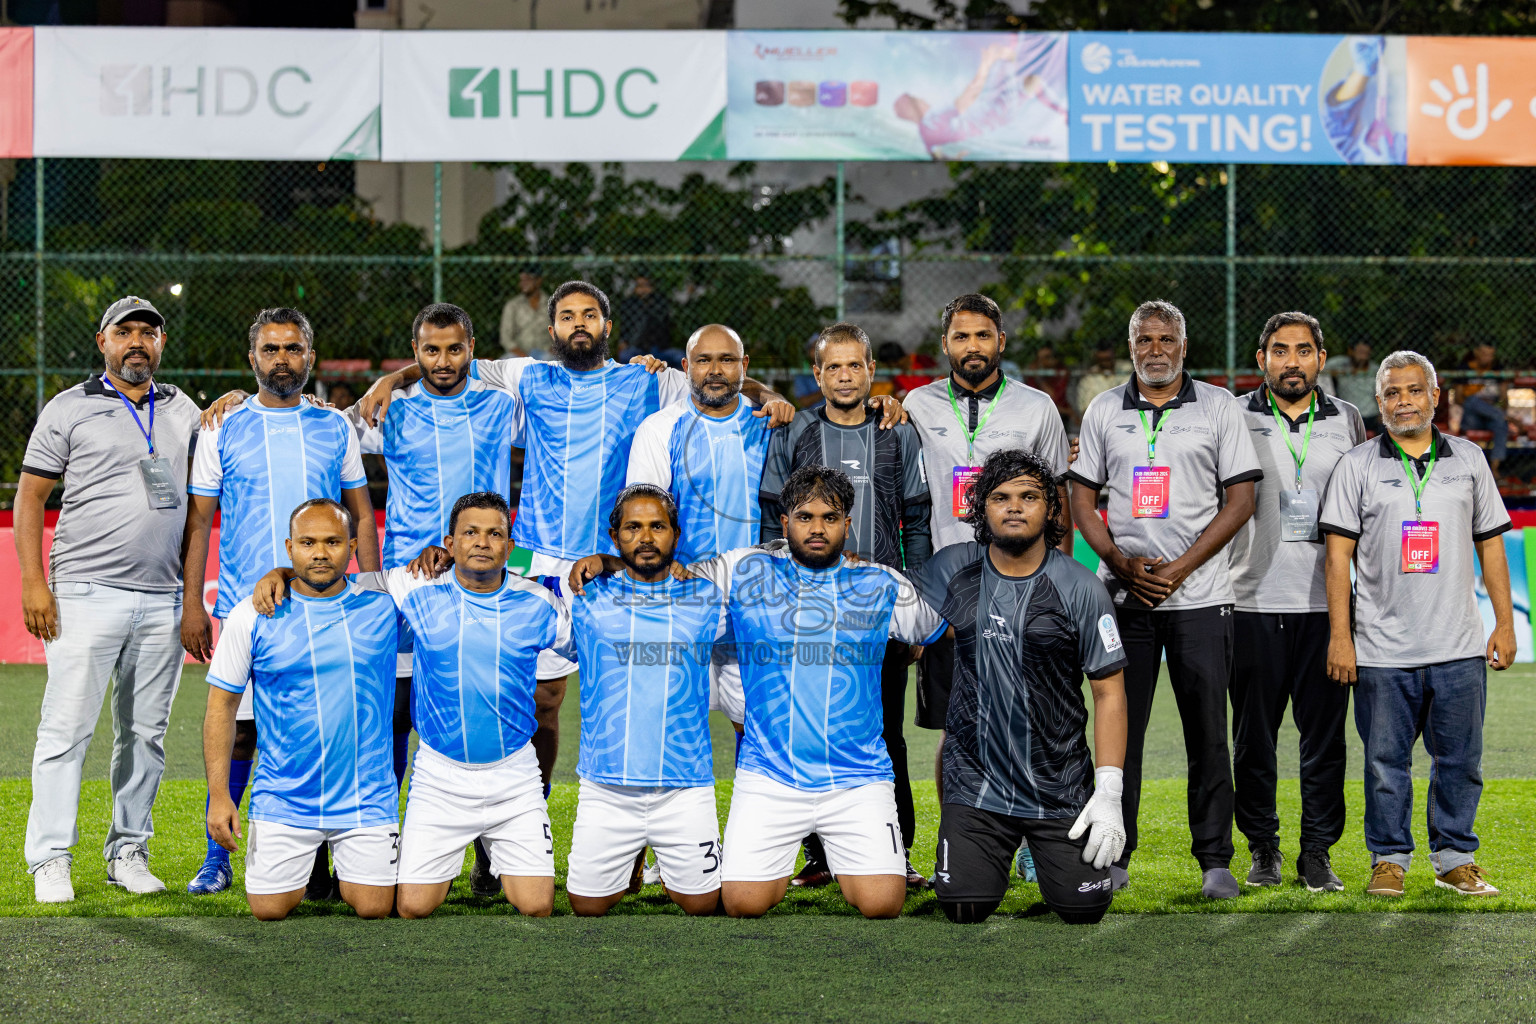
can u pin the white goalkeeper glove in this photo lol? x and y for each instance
(1102, 820)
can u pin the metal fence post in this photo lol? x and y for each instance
(39, 292)
(437, 232)
(842, 253)
(1232, 278)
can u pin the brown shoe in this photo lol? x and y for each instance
(1467, 880)
(1386, 879)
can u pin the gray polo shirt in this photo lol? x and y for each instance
(107, 532)
(1204, 444)
(1411, 619)
(1023, 417)
(1269, 574)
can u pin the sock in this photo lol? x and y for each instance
(239, 778)
(547, 788)
(402, 752)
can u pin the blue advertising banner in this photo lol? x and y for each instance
(1239, 98)
(896, 96)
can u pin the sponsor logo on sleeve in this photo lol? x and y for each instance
(1109, 633)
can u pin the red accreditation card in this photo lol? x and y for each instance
(1421, 547)
(962, 478)
(1149, 492)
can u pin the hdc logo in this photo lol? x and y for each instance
(479, 93)
(131, 90)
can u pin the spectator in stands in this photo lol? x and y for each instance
(339, 393)
(1104, 373)
(1355, 382)
(1482, 401)
(1049, 376)
(645, 324)
(524, 319)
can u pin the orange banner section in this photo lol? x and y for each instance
(1471, 101)
(15, 92)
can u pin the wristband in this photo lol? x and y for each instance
(1109, 781)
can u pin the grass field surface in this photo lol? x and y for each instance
(1163, 954)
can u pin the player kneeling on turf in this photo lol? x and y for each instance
(643, 641)
(810, 634)
(478, 631)
(322, 668)
(1029, 624)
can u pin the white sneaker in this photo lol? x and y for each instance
(51, 884)
(652, 874)
(130, 869)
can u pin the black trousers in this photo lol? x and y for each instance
(976, 849)
(893, 704)
(1280, 659)
(1198, 644)
(935, 675)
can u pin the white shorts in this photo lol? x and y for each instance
(725, 692)
(551, 665)
(768, 820)
(279, 858)
(614, 823)
(246, 712)
(451, 805)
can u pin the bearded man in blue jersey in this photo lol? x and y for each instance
(322, 670)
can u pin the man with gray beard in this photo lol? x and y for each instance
(275, 451)
(108, 606)
(1175, 458)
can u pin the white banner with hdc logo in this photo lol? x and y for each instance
(554, 95)
(210, 93)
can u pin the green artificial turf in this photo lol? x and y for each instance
(1163, 954)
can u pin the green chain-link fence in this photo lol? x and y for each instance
(1429, 258)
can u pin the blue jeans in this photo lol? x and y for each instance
(1477, 414)
(1445, 703)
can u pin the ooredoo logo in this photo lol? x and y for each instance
(1096, 58)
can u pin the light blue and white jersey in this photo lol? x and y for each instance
(811, 644)
(438, 449)
(473, 678)
(644, 651)
(712, 467)
(262, 463)
(324, 676)
(577, 429)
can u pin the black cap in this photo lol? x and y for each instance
(131, 307)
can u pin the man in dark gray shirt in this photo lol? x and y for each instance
(1174, 455)
(1281, 622)
(1416, 512)
(109, 609)
(1029, 623)
(889, 524)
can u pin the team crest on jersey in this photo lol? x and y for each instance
(1109, 632)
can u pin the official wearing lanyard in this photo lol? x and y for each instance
(1149, 483)
(159, 483)
(964, 475)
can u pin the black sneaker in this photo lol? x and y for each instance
(322, 884)
(915, 879)
(481, 881)
(1266, 866)
(814, 875)
(1315, 871)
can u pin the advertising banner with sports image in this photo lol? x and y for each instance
(1238, 98)
(897, 96)
(225, 93)
(554, 96)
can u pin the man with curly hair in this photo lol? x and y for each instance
(1029, 623)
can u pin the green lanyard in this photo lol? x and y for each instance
(970, 435)
(1285, 432)
(1417, 484)
(1152, 436)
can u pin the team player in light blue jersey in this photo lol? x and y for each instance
(811, 634)
(578, 415)
(271, 453)
(708, 452)
(322, 671)
(477, 632)
(643, 639)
